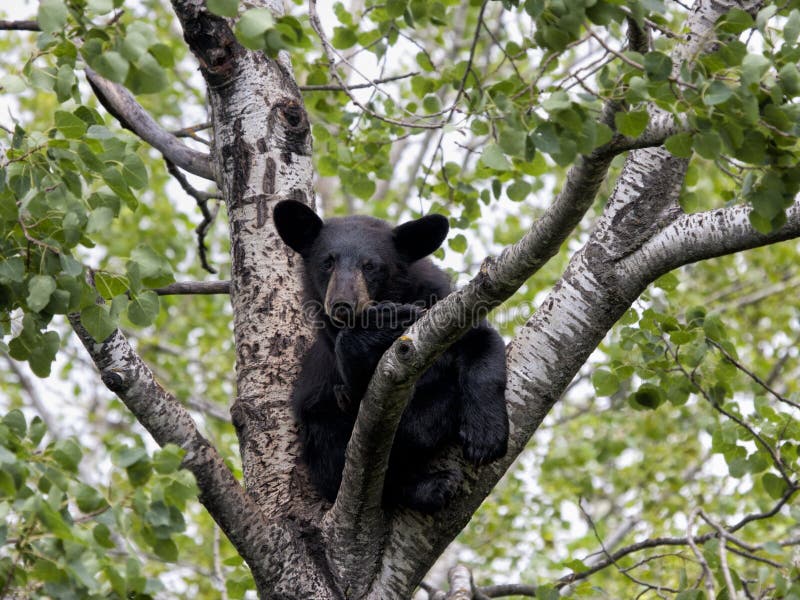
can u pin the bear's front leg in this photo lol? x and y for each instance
(359, 349)
(483, 429)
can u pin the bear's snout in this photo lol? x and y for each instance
(346, 296)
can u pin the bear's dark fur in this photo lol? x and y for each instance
(370, 282)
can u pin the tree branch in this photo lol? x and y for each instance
(698, 236)
(123, 106)
(194, 287)
(124, 373)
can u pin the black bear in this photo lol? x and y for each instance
(371, 281)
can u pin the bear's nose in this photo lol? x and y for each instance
(344, 312)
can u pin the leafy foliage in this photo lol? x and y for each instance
(480, 108)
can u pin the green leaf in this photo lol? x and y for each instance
(519, 190)
(494, 158)
(40, 288)
(110, 285)
(143, 308)
(13, 84)
(134, 172)
(52, 15)
(67, 453)
(396, 8)
(102, 535)
(146, 76)
(344, 38)
(168, 459)
(223, 8)
(424, 62)
(458, 243)
(791, 29)
(707, 144)
(679, 145)
(154, 269)
(89, 499)
(254, 23)
(166, 550)
(753, 68)
(790, 78)
(658, 66)
(631, 124)
(431, 103)
(127, 456)
(111, 65)
(98, 321)
(364, 187)
(648, 397)
(605, 383)
(15, 421)
(12, 270)
(99, 7)
(716, 93)
(735, 21)
(99, 219)
(774, 485)
(513, 141)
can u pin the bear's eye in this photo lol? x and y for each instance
(368, 266)
(327, 264)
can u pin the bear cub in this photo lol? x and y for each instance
(372, 281)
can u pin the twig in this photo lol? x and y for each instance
(776, 459)
(460, 580)
(723, 554)
(509, 589)
(202, 199)
(633, 63)
(194, 288)
(130, 114)
(329, 54)
(355, 86)
(645, 584)
(707, 576)
(752, 375)
(20, 26)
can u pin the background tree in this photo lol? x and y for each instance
(596, 145)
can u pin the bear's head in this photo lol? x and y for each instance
(351, 262)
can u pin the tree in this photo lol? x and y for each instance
(531, 98)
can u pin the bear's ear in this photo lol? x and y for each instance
(297, 225)
(417, 239)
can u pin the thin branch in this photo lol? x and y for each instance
(648, 586)
(468, 70)
(123, 106)
(329, 51)
(194, 288)
(509, 589)
(20, 26)
(355, 86)
(209, 216)
(707, 576)
(752, 375)
(723, 554)
(632, 63)
(692, 378)
(460, 580)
